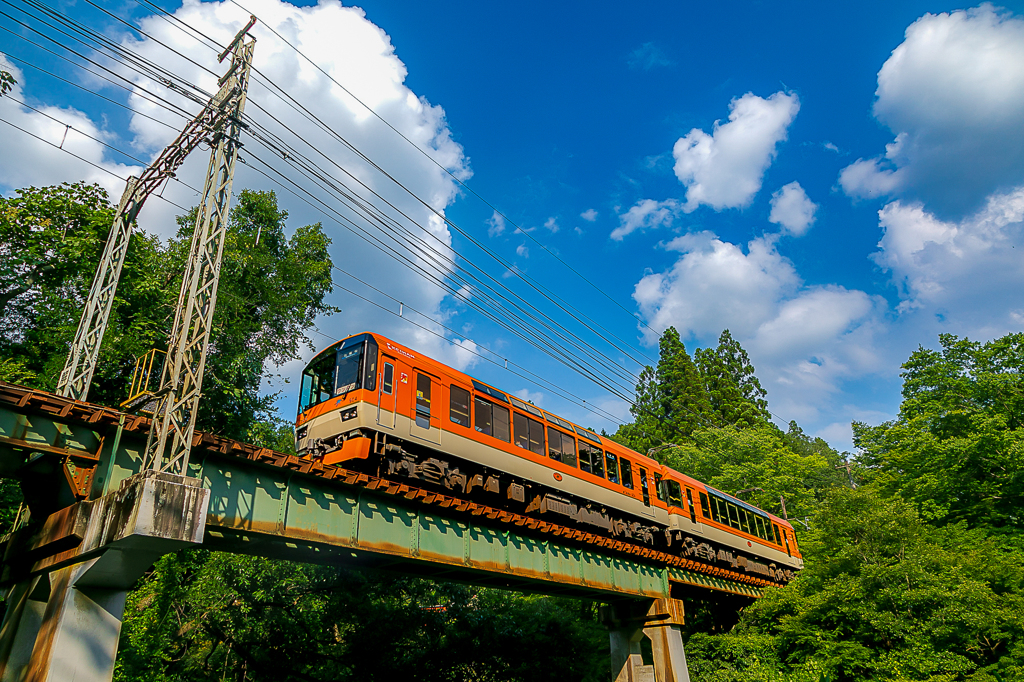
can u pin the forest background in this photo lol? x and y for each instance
(913, 545)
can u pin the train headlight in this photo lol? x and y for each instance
(350, 413)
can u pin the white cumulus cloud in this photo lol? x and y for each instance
(725, 169)
(590, 215)
(792, 209)
(334, 38)
(805, 341)
(969, 269)
(953, 94)
(647, 213)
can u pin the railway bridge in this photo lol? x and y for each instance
(99, 519)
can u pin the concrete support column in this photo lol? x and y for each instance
(79, 633)
(73, 634)
(26, 603)
(661, 621)
(626, 656)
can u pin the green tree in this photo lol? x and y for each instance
(733, 458)
(7, 82)
(269, 294)
(734, 393)
(884, 596)
(272, 287)
(671, 401)
(957, 447)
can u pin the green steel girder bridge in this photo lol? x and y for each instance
(99, 519)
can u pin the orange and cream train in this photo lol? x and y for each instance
(373, 405)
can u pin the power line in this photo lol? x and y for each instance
(142, 66)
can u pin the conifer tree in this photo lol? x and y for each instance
(735, 395)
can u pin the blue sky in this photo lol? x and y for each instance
(836, 183)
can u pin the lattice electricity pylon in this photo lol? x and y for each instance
(81, 363)
(170, 435)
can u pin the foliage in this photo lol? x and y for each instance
(7, 82)
(884, 596)
(735, 394)
(957, 447)
(732, 459)
(269, 294)
(212, 616)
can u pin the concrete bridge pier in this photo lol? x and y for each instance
(68, 576)
(660, 620)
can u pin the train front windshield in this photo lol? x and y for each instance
(339, 370)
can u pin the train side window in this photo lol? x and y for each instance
(561, 447)
(659, 490)
(529, 433)
(760, 527)
(745, 519)
(458, 411)
(613, 466)
(733, 514)
(627, 473)
(520, 431)
(590, 458)
(536, 436)
(778, 540)
(501, 425)
(387, 384)
(568, 450)
(785, 536)
(491, 419)
(689, 503)
(705, 508)
(422, 401)
(675, 496)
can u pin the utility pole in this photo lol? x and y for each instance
(170, 436)
(84, 353)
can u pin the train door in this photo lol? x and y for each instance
(386, 392)
(645, 491)
(426, 407)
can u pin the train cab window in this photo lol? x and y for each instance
(778, 539)
(613, 466)
(317, 382)
(529, 433)
(659, 488)
(627, 473)
(349, 360)
(491, 419)
(387, 381)
(458, 409)
(785, 536)
(705, 507)
(422, 401)
(561, 446)
(591, 459)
